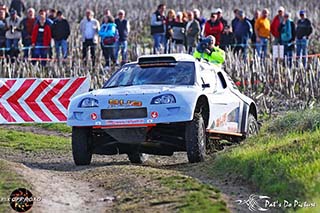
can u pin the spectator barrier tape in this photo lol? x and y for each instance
(36, 100)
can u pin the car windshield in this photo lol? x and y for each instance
(180, 73)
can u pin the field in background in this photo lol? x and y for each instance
(273, 86)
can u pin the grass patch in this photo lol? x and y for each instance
(26, 141)
(195, 196)
(283, 161)
(9, 181)
(59, 127)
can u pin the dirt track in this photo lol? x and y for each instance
(110, 183)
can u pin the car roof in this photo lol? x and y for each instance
(177, 57)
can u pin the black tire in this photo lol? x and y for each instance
(137, 158)
(81, 145)
(196, 139)
(253, 126)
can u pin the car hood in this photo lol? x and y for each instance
(140, 90)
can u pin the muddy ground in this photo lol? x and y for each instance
(112, 183)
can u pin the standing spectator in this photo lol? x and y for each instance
(5, 9)
(214, 27)
(171, 16)
(275, 24)
(18, 5)
(287, 37)
(108, 34)
(52, 15)
(27, 27)
(227, 39)
(13, 34)
(192, 32)
(158, 21)
(220, 18)
(252, 22)
(242, 32)
(2, 32)
(123, 27)
(303, 31)
(60, 34)
(179, 29)
(262, 31)
(235, 20)
(41, 38)
(200, 19)
(89, 27)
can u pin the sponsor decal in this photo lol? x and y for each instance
(154, 114)
(124, 122)
(93, 116)
(121, 102)
(222, 120)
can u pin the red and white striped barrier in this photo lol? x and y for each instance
(38, 100)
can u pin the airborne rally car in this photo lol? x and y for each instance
(160, 104)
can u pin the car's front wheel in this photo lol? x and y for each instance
(196, 139)
(81, 145)
(253, 126)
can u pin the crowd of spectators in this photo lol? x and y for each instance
(172, 31)
(181, 32)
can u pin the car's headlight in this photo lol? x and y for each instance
(164, 99)
(89, 102)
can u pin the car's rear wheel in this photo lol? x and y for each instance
(81, 145)
(196, 139)
(137, 158)
(253, 126)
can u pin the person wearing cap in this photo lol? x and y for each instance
(287, 37)
(242, 32)
(178, 37)
(27, 26)
(213, 27)
(235, 19)
(13, 34)
(18, 5)
(200, 19)
(208, 51)
(158, 21)
(275, 24)
(220, 18)
(60, 33)
(303, 31)
(262, 31)
(123, 26)
(192, 32)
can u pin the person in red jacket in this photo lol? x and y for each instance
(41, 38)
(275, 25)
(213, 27)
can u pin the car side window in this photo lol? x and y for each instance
(209, 77)
(222, 84)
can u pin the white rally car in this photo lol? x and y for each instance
(160, 104)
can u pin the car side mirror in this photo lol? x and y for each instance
(205, 86)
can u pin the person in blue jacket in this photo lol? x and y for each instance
(242, 32)
(109, 35)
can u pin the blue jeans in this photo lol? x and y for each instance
(63, 45)
(288, 52)
(26, 47)
(262, 47)
(302, 50)
(158, 39)
(123, 45)
(12, 46)
(40, 53)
